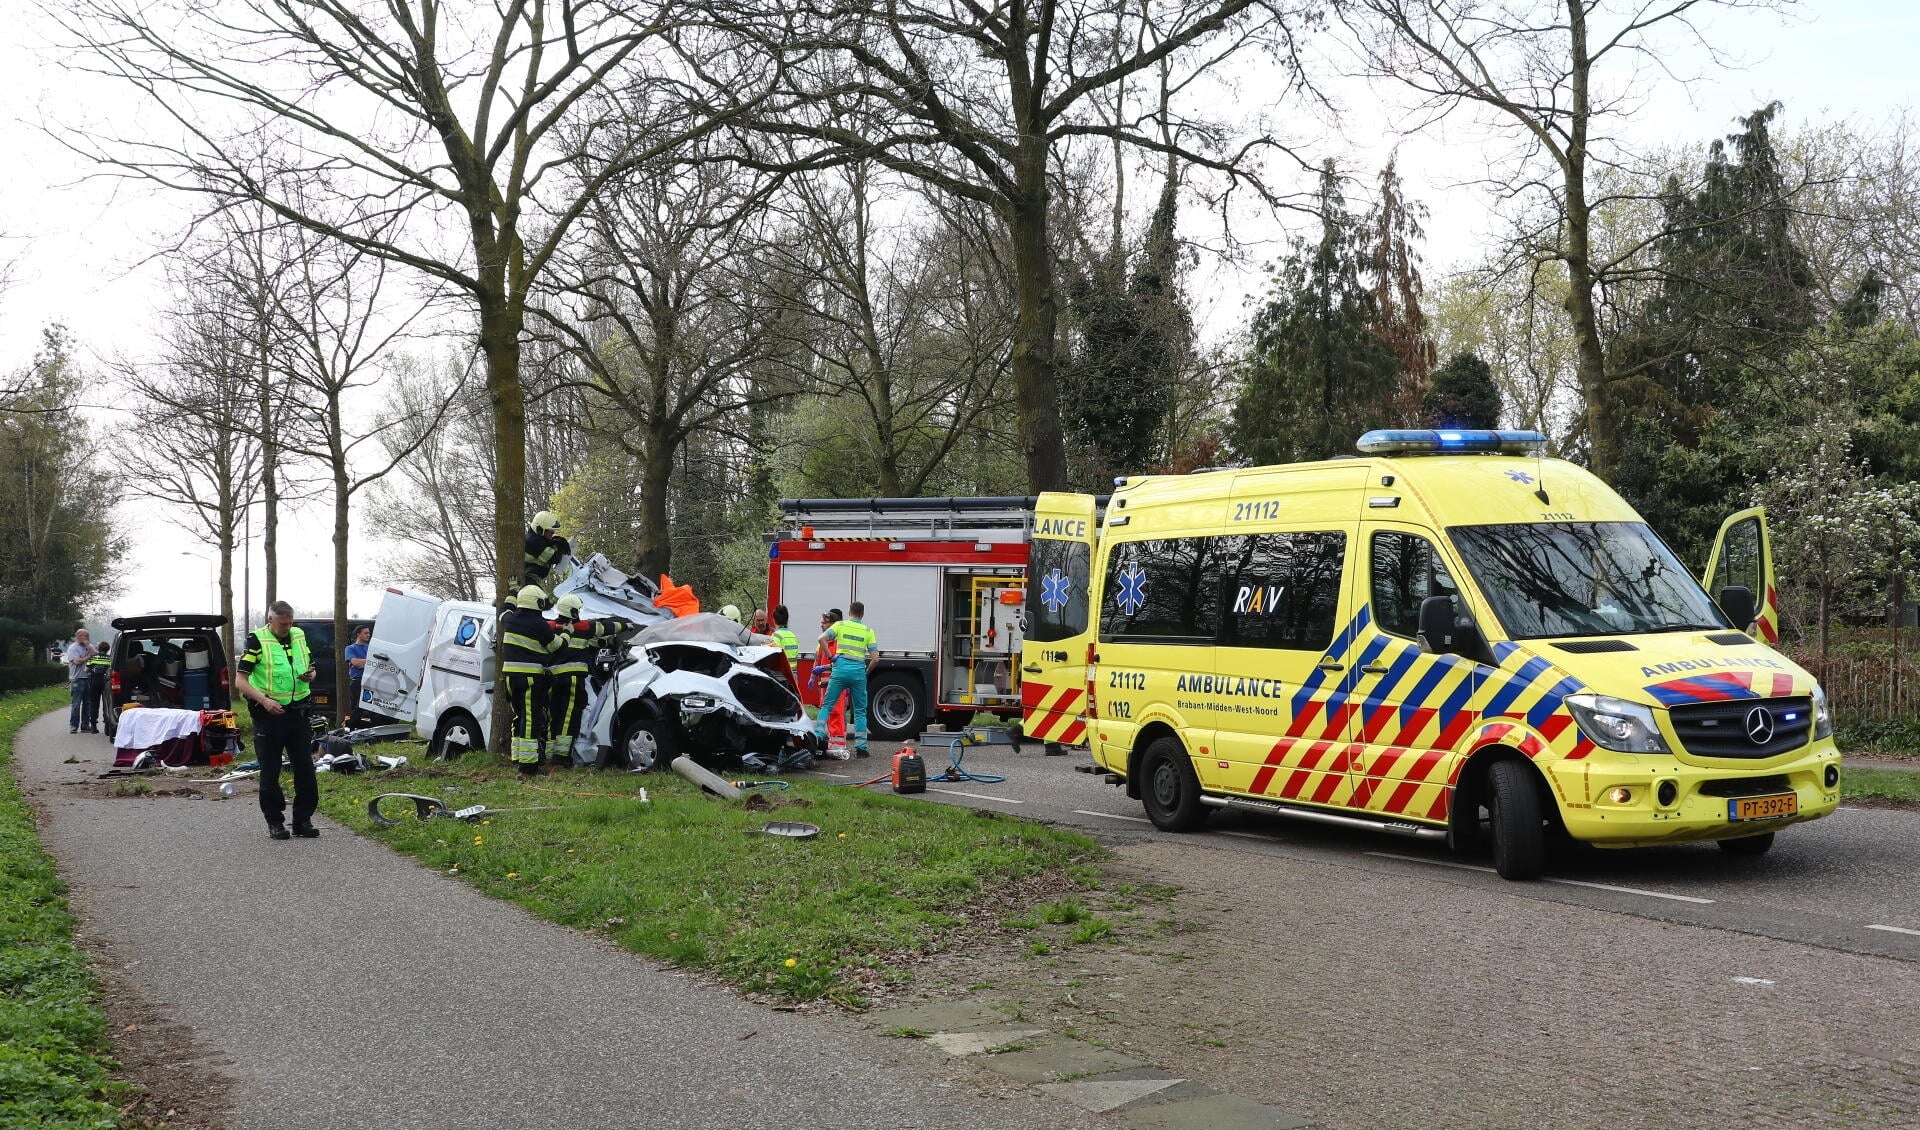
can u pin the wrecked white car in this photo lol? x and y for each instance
(716, 700)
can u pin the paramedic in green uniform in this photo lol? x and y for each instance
(857, 653)
(274, 675)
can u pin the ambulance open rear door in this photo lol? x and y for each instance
(1059, 625)
(1743, 558)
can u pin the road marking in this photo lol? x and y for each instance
(1432, 862)
(976, 796)
(1249, 836)
(1112, 816)
(1895, 929)
(1631, 891)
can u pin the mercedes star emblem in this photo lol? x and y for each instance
(1759, 725)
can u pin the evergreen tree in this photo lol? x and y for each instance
(1462, 394)
(1393, 229)
(1320, 373)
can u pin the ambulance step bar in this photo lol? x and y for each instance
(1397, 827)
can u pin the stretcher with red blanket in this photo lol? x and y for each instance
(175, 737)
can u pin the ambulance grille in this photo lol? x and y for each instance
(1746, 786)
(1722, 729)
(1595, 647)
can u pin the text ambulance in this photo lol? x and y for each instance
(1449, 637)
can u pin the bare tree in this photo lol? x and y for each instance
(907, 324)
(1543, 66)
(671, 312)
(424, 132)
(974, 100)
(434, 507)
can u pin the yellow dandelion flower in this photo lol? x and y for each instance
(513, 874)
(790, 963)
(479, 839)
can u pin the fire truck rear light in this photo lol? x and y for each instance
(896, 545)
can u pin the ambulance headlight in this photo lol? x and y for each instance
(1615, 724)
(1822, 721)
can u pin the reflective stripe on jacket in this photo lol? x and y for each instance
(527, 641)
(857, 642)
(277, 665)
(789, 643)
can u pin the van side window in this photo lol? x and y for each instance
(1406, 570)
(1058, 573)
(1282, 590)
(1165, 590)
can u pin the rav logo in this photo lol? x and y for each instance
(1258, 599)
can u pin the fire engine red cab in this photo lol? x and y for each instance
(944, 585)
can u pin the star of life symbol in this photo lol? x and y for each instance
(1132, 596)
(1055, 591)
(1520, 476)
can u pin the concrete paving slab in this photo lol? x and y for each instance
(956, 1016)
(1212, 1112)
(1065, 1059)
(1102, 1093)
(981, 1039)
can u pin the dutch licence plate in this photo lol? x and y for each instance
(1769, 807)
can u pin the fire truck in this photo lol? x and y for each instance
(944, 584)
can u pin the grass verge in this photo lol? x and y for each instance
(692, 880)
(1901, 785)
(54, 1070)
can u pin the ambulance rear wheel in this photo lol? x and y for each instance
(1518, 826)
(1168, 787)
(1748, 845)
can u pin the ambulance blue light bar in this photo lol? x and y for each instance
(1450, 441)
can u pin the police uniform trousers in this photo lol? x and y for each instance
(285, 735)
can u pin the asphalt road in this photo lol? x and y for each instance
(1849, 882)
(345, 986)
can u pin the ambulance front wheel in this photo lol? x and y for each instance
(1519, 827)
(1168, 787)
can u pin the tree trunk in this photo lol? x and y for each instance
(269, 499)
(342, 502)
(500, 324)
(1036, 389)
(654, 555)
(1591, 363)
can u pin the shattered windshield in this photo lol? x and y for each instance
(1583, 579)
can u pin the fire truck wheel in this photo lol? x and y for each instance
(1519, 829)
(1169, 789)
(895, 711)
(646, 743)
(1748, 845)
(456, 734)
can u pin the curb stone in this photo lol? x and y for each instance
(1081, 1074)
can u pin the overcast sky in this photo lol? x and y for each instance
(81, 248)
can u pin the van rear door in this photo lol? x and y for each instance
(397, 654)
(1743, 556)
(1053, 656)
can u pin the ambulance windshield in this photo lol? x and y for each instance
(1547, 580)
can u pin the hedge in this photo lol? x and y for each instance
(30, 677)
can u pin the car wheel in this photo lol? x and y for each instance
(456, 734)
(646, 743)
(894, 707)
(1748, 845)
(1169, 789)
(1519, 829)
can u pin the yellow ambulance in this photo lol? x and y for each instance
(1450, 637)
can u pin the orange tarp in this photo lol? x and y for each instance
(677, 599)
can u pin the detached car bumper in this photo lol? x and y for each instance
(709, 723)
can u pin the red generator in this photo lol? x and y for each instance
(944, 585)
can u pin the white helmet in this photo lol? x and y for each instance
(532, 596)
(568, 606)
(546, 521)
(731, 612)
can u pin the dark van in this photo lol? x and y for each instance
(167, 659)
(326, 656)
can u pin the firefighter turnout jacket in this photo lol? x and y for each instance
(541, 552)
(527, 641)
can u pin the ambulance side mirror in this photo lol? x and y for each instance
(1437, 633)
(1737, 601)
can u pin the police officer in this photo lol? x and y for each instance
(527, 644)
(97, 666)
(275, 676)
(572, 661)
(546, 550)
(856, 653)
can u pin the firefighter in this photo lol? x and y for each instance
(527, 644)
(572, 661)
(549, 556)
(855, 653)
